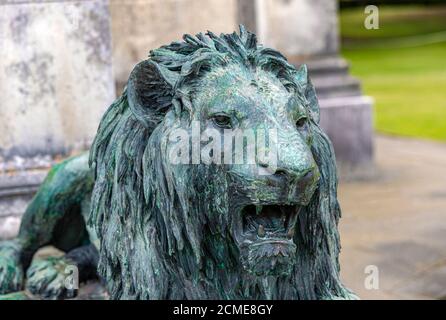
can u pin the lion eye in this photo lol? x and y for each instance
(301, 122)
(222, 121)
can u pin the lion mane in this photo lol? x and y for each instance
(157, 243)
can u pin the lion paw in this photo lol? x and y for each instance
(11, 270)
(46, 278)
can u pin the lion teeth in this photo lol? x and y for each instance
(283, 219)
(261, 231)
(290, 233)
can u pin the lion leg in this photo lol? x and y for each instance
(54, 217)
(11, 270)
(58, 278)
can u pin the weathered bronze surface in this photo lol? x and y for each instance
(192, 230)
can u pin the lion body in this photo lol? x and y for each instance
(174, 222)
(169, 231)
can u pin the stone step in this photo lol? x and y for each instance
(327, 66)
(17, 189)
(336, 86)
(330, 75)
(356, 101)
(16, 192)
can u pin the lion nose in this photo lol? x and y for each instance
(291, 175)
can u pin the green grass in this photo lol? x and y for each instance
(408, 83)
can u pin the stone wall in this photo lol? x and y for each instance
(56, 82)
(141, 25)
(55, 75)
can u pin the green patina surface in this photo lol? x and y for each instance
(55, 216)
(195, 231)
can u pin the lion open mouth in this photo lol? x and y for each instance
(267, 238)
(272, 223)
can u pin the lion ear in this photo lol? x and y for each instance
(150, 90)
(303, 78)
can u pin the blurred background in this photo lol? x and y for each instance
(396, 219)
(379, 68)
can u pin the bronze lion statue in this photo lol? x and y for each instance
(189, 229)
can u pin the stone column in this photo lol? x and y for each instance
(306, 31)
(299, 28)
(56, 81)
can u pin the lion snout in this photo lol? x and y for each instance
(302, 178)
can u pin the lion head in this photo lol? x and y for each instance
(216, 229)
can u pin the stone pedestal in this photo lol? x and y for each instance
(56, 82)
(16, 191)
(346, 115)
